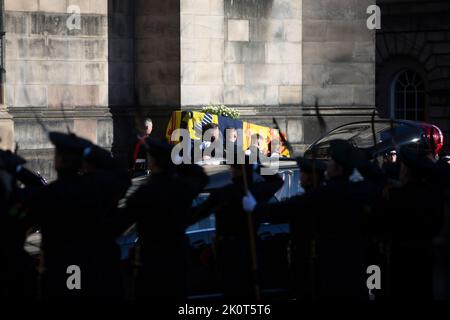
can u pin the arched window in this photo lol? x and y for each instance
(408, 96)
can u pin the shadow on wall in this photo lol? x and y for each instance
(144, 67)
(249, 9)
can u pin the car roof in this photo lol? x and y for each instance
(361, 134)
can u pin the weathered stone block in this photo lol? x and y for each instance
(314, 30)
(168, 49)
(244, 9)
(286, 9)
(150, 26)
(187, 26)
(158, 73)
(217, 50)
(30, 96)
(364, 52)
(73, 96)
(11, 48)
(65, 49)
(273, 74)
(325, 52)
(84, 5)
(105, 133)
(9, 95)
(198, 7)
(209, 27)
(53, 5)
(234, 74)
(293, 30)
(295, 131)
(121, 94)
(159, 95)
(238, 30)
(240, 95)
(93, 26)
(121, 26)
(31, 136)
(86, 128)
(266, 30)
(121, 50)
(101, 6)
(56, 72)
(188, 73)
(354, 30)
(15, 72)
(332, 9)
(32, 48)
(209, 73)
(290, 94)
(339, 95)
(21, 5)
(201, 95)
(6, 131)
(216, 7)
(16, 22)
(283, 52)
(339, 73)
(364, 95)
(271, 95)
(195, 50)
(156, 8)
(94, 72)
(103, 95)
(95, 49)
(241, 52)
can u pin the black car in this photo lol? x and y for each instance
(379, 137)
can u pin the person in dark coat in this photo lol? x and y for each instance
(232, 229)
(391, 165)
(331, 218)
(414, 217)
(138, 156)
(312, 176)
(72, 214)
(18, 274)
(160, 208)
(102, 173)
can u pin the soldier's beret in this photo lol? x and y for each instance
(308, 165)
(69, 142)
(99, 157)
(10, 161)
(345, 154)
(416, 158)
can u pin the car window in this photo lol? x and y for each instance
(291, 186)
(206, 224)
(361, 136)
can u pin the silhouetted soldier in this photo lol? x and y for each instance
(109, 182)
(332, 218)
(18, 275)
(232, 227)
(414, 217)
(71, 215)
(312, 176)
(160, 208)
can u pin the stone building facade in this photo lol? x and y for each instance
(130, 58)
(413, 62)
(54, 74)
